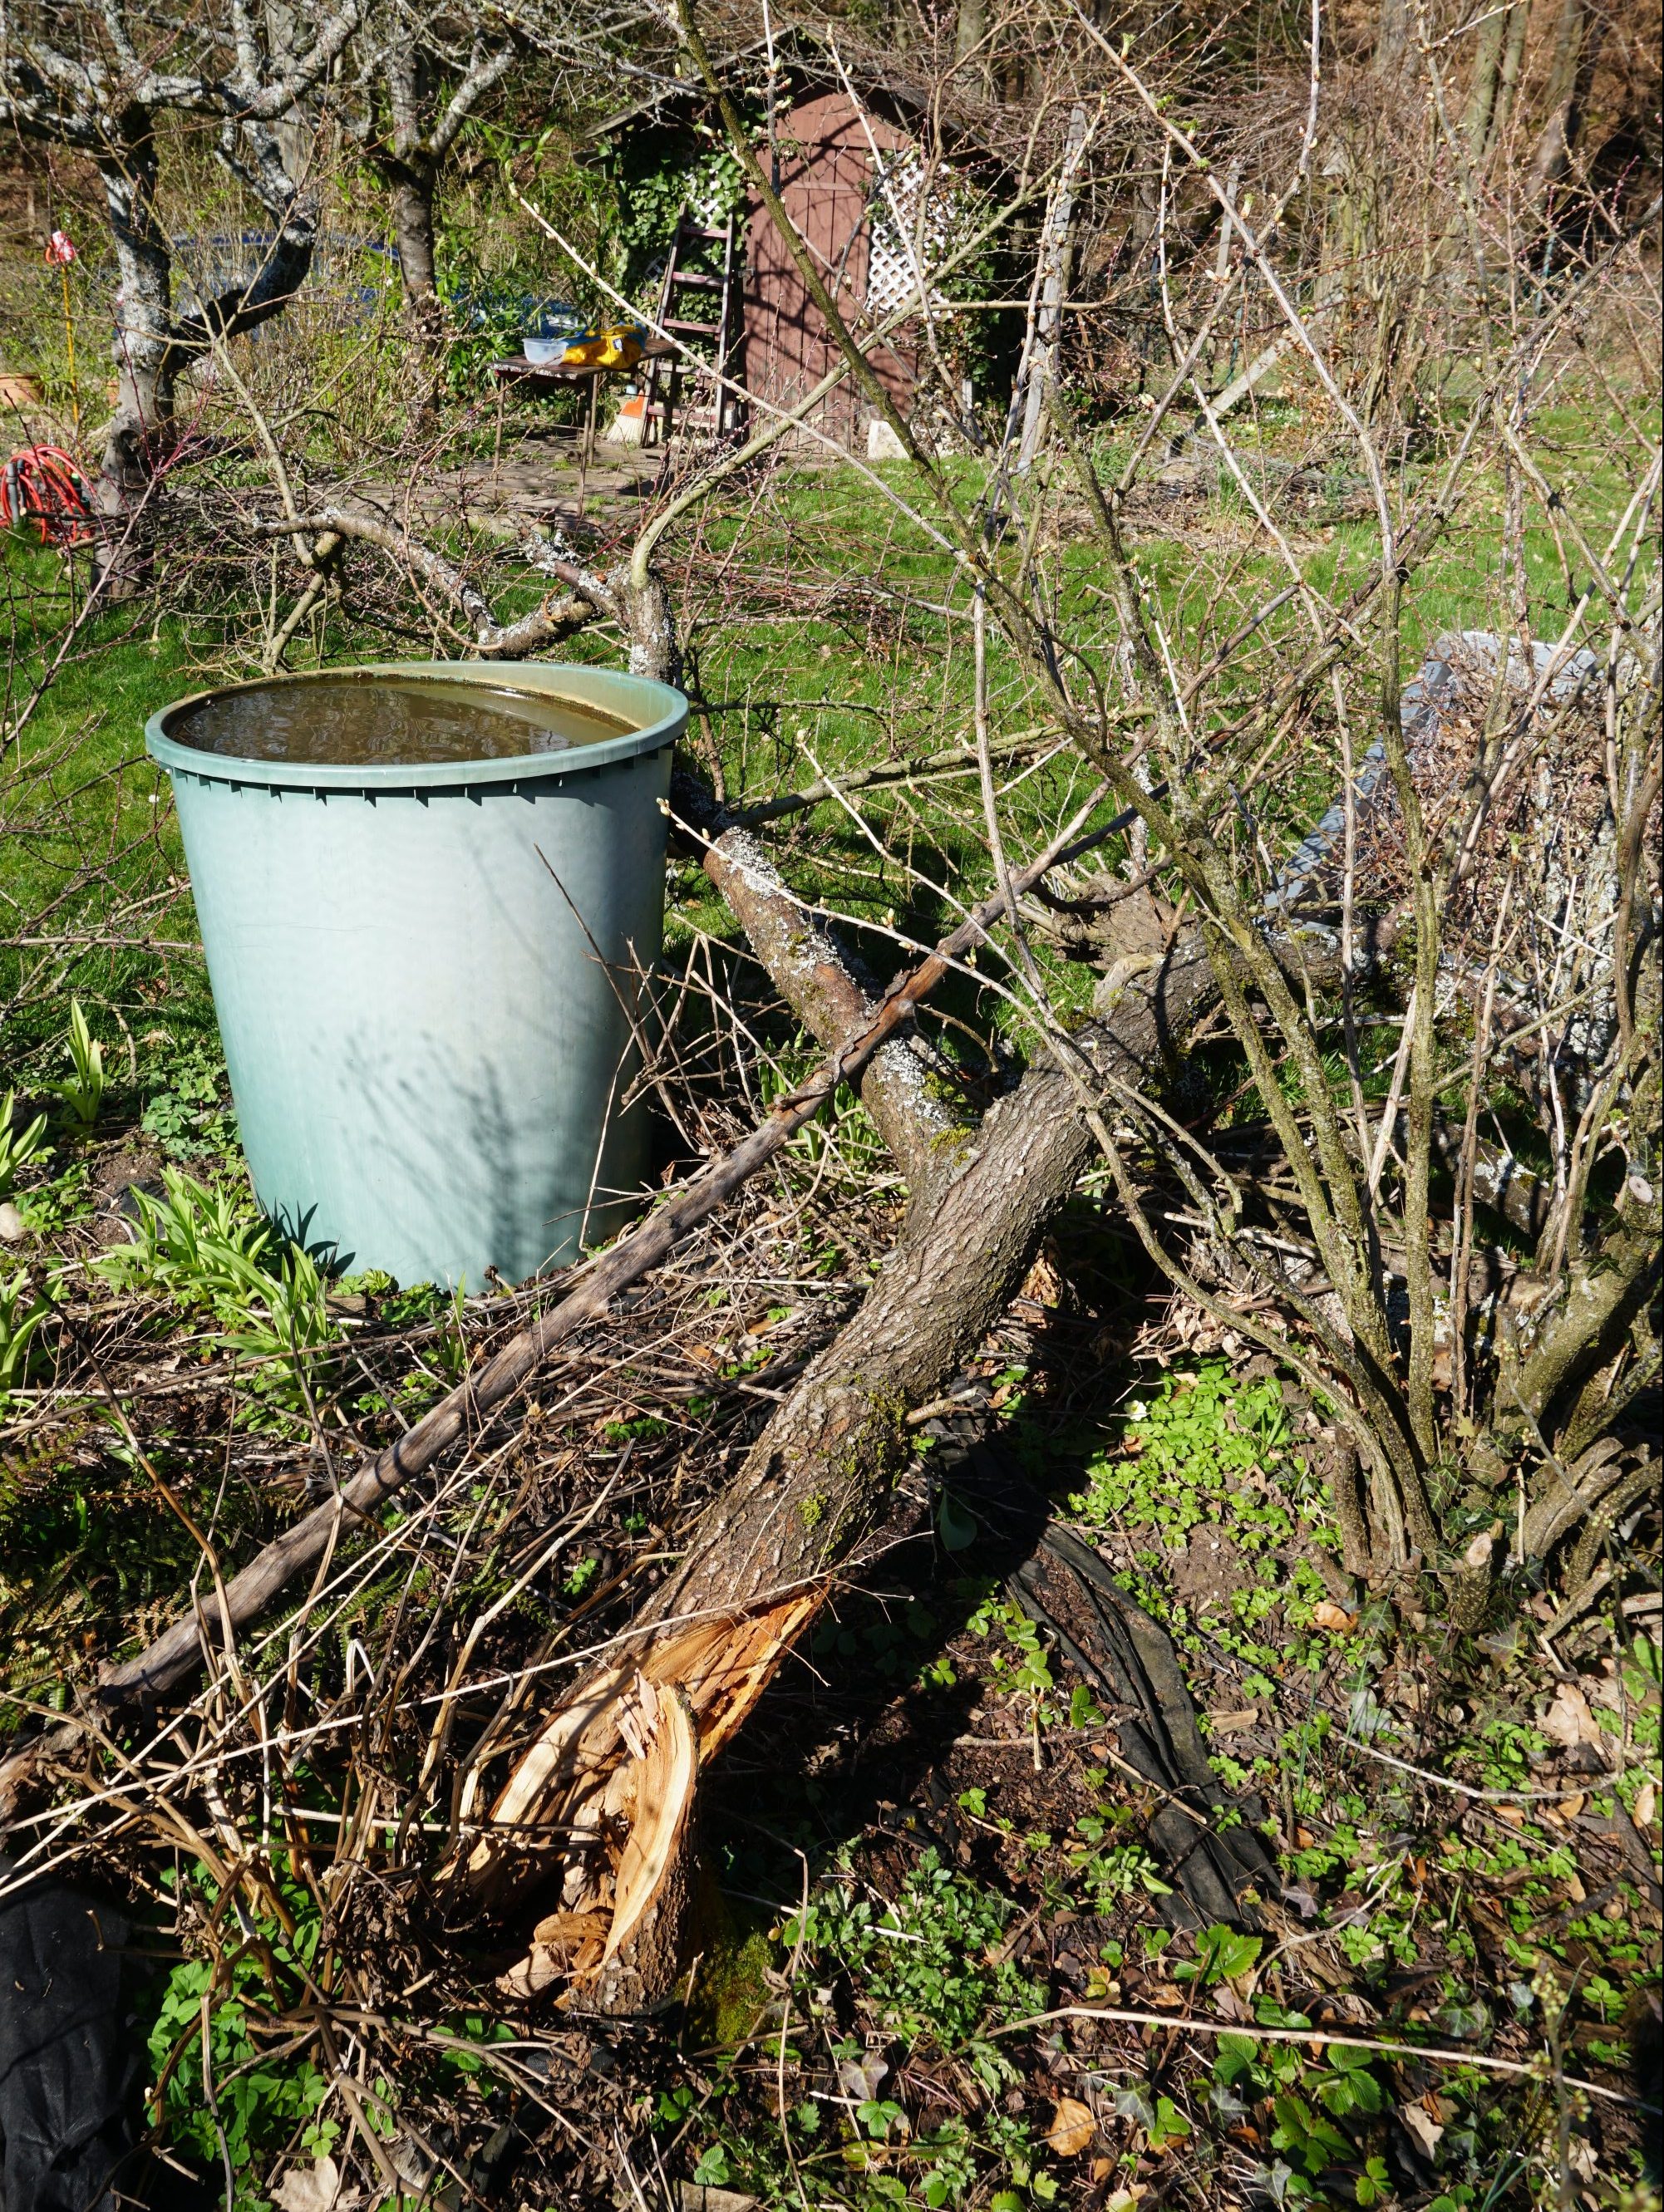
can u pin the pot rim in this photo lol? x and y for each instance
(660, 713)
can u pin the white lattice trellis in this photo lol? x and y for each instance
(709, 197)
(895, 238)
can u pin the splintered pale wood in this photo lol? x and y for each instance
(722, 1666)
(571, 1931)
(665, 1777)
(623, 1957)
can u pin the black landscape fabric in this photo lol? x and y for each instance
(68, 2065)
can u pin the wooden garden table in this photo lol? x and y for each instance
(551, 375)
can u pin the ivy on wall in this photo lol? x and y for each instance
(653, 173)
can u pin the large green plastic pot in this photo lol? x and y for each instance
(425, 979)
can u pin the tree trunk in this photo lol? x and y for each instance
(1041, 367)
(813, 1480)
(650, 622)
(411, 192)
(1576, 47)
(1487, 68)
(760, 1559)
(136, 433)
(295, 135)
(409, 162)
(814, 1483)
(1513, 54)
(1392, 38)
(150, 346)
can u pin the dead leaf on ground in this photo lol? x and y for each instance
(1335, 1617)
(701, 2196)
(1232, 1722)
(1579, 2157)
(1605, 1689)
(1422, 2130)
(1072, 2127)
(1569, 1719)
(315, 2188)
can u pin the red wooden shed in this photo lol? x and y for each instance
(844, 206)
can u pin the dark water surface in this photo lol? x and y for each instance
(358, 721)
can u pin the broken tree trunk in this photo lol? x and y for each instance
(760, 1560)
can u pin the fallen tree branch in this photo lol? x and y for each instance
(1130, 1661)
(1538, 2069)
(827, 989)
(547, 624)
(758, 1563)
(955, 760)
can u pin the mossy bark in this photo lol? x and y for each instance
(815, 1481)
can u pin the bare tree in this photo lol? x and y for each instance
(102, 82)
(426, 77)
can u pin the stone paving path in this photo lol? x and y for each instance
(539, 479)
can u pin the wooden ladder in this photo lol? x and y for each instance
(723, 410)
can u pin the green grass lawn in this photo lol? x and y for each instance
(90, 847)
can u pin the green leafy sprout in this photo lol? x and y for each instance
(81, 1091)
(17, 1147)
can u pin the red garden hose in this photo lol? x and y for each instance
(44, 483)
